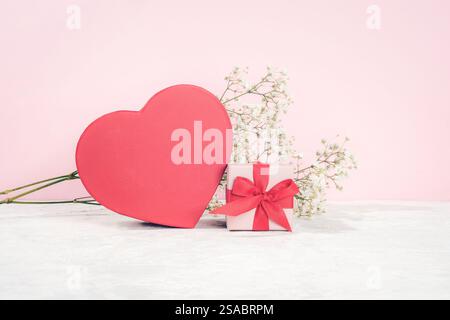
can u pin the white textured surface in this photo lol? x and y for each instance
(356, 250)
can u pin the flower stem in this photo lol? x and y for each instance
(52, 181)
(92, 202)
(31, 184)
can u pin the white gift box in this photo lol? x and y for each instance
(277, 173)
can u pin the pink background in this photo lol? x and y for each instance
(388, 90)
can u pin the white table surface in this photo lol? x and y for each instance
(356, 250)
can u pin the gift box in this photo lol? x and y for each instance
(259, 196)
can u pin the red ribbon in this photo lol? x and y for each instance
(246, 195)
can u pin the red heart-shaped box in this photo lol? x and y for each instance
(124, 158)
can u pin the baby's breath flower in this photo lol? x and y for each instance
(255, 111)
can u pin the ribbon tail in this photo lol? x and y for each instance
(276, 214)
(261, 220)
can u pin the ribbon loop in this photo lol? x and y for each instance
(243, 187)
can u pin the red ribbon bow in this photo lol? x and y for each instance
(246, 195)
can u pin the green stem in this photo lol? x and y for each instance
(92, 202)
(237, 97)
(249, 91)
(226, 90)
(32, 184)
(71, 176)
